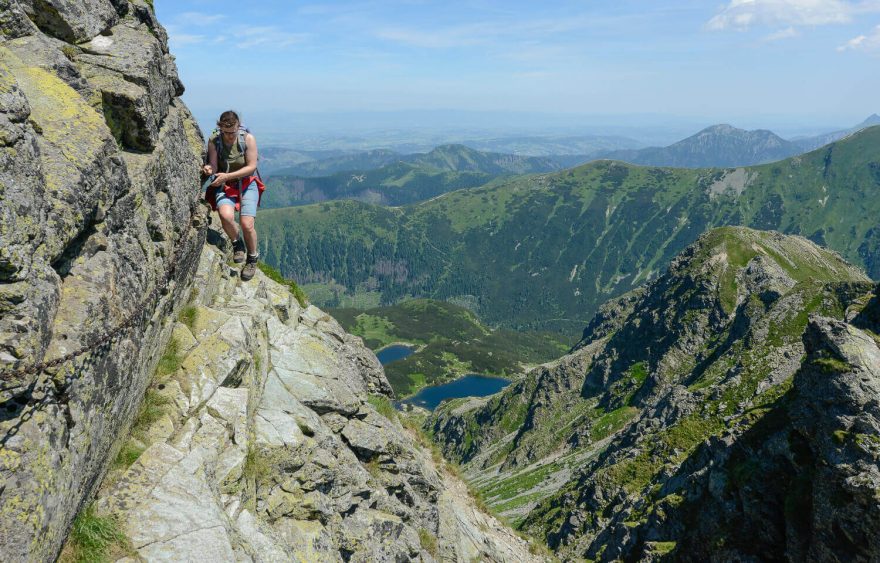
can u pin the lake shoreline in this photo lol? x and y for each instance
(469, 385)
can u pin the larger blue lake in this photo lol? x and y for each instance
(467, 386)
(393, 353)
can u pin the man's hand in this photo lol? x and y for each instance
(207, 170)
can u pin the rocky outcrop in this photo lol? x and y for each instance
(629, 447)
(99, 239)
(269, 447)
(801, 483)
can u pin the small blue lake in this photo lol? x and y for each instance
(393, 353)
(467, 386)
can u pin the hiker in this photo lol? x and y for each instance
(232, 162)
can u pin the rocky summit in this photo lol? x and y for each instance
(725, 411)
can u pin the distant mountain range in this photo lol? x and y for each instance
(812, 143)
(398, 180)
(727, 146)
(715, 146)
(544, 251)
(566, 151)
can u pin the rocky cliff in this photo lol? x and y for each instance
(98, 244)
(725, 411)
(264, 443)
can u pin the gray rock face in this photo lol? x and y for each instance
(269, 450)
(73, 21)
(803, 483)
(87, 232)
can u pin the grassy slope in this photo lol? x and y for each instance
(452, 339)
(544, 251)
(393, 184)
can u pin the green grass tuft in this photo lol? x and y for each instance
(256, 465)
(832, 365)
(291, 285)
(189, 315)
(154, 407)
(171, 360)
(428, 541)
(94, 539)
(128, 454)
(383, 406)
(70, 52)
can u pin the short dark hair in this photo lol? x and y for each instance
(228, 119)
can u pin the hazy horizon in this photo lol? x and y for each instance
(796, 67)
(422, 130)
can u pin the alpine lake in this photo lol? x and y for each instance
(471, 385)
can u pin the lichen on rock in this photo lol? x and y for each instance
(87, 232)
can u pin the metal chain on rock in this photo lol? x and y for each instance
(7, 375)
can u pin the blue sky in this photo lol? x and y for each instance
(749, 62)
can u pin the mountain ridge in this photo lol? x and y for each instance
(715, 146)
(403, 179)
(600, 452)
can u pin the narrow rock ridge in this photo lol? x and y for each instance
(98, 226)
(621, 450)
(269, 447)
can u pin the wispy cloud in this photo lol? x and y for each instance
(869, 43)
(438, 39)
(198, 19)
(786, 33)
(481, 33)
(744, 14)
(272, 36)
(187, 28)
(180, 39)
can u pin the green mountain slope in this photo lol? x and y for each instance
(613, 451)
(393, 184)
(461, 158)
(544, 251)
(451, 342)
(291, 163)
(399, 179)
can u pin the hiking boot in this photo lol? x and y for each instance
(250, 268)
(238, 251)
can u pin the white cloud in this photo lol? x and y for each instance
(177, 37)
(271, 36)
(786, 33)
(743, 14)
(481, 33)
(869, 43)
(440, 39)
(185, 38)
(187, 28)
(198, 19)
